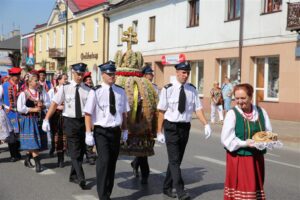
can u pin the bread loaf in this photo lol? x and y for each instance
(264, 136)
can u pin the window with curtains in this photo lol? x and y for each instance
(40, 43)
(82, 33)
(62, 37)
(96, 30)
(54, 40)
(270, 6)
(196, 75)
(234, 9)
(135, 26)
(47, 41)
(193, 13)
(151, 29)
(267, 77)
(230, 68)
(70, 37)
(120, 34)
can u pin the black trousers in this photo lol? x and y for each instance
(177, 135)
(75, 132)
(142, 162)
(108, 145)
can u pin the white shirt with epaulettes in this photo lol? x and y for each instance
(98, 105)
(169, 100)
(66, 95)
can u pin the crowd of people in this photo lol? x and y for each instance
(79, 118)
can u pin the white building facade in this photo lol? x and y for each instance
(213, 35)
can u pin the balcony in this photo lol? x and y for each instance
(293, 17)
(57, 52)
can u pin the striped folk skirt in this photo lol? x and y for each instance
(56, 126)
(32, 137)
(244, 177)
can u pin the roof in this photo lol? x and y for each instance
(80, 5)
(12, 43)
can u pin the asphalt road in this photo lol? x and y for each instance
(203, 170)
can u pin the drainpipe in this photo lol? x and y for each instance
(241, 37)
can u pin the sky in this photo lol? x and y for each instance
(24, 14)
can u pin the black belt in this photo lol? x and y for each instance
(178, 123)
(107, 128)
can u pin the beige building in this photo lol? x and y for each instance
(75, 32)
(213, 36)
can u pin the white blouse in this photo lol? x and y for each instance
(228, 137)
(21, 103)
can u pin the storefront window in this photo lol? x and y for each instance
(196, 76)
(230, 68)
(266, 81)
(273, 77)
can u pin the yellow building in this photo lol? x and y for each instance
(80, 37)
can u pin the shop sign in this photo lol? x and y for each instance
(87, 55)
(172, 59)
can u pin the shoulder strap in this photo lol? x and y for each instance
(168, 85)
(192, 85)
(97, 87)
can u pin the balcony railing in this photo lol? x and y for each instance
(293, 17)
(57, 52)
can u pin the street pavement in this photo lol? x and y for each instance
(203, 170)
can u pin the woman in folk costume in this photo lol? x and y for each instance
(5, 126)
(56, 122)
(142, 98)
(245, 170)
(31, 104)
(11, 91)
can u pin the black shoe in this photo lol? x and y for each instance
(60, 159)
(13, 159)
(144, 181)
(38, 166)
(169, 193)
(74, 180)
(135, 170)
(51, 152)
(185, 196)
(27, 162)
(82, 184)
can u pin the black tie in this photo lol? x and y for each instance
(182, 100)
(77, 103)
(112, 102)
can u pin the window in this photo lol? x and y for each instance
(120, 34)
(267, 79)
(234, 9)
(152, 29)
(196, 75)
(82, 33)
(193, 13)
(270, 6)
(70, 37)
(47, 41)
(96, 29)
(135, 26)
(40, 43)
(54, 39)
(62, 38)
(230, 68)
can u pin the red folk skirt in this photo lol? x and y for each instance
(244, 177)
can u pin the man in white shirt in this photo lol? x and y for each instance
(74, 96)
(105, 119)
(176, 104)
